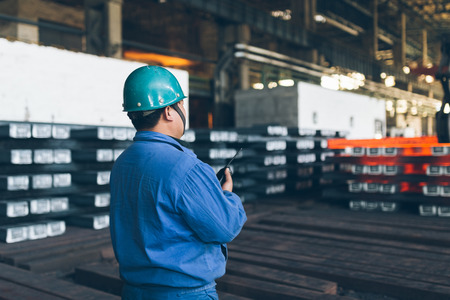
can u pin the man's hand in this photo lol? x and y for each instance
(227, 185)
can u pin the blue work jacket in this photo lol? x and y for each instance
(170, 218)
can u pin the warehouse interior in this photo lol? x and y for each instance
(386, 49)
(341, 109)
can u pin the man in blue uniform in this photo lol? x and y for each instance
(170, 217)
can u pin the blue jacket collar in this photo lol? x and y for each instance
(153, 136)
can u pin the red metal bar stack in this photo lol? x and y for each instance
(384, 174)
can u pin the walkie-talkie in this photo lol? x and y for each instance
(221, 174)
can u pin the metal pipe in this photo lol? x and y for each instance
(275, 62)
(278, 56)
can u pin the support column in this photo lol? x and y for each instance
(400, 46)
(437, 50)
(370, 40)
(104, 27)
(409, 87)
(26, 9)
(431, 125)
(424, 47)
(303, 12)
(114, 48)
(374, 28)
(226, 73)
(243, 37)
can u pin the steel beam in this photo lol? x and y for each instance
(239, 12)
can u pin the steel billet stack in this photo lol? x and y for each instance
(42, 176)
(101, 147)
(262, 170)
(214, 147)
(211, 146)
(306, 152)
(29, 170)
(53, 175)
(407, 172)
(272, 162)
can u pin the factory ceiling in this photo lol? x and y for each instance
(332, 27)
(349, 19)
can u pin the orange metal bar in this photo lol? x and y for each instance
(394, 142)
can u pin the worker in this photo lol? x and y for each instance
(170, 217)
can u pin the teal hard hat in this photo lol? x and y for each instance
(150, 88)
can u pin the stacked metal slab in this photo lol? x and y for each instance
(307, 151)
(262, 171)
(274, 160)
(53, 175)
(383, 178)
(437, 186)
(57, 175)
(215, 147)
(99, 148)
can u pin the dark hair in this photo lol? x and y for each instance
(141, 122)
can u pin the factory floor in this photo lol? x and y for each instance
(292, 247)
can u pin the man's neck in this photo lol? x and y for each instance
(162, 130)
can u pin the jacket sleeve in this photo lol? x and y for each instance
(216, 216)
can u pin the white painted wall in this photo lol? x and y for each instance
(45, 84)
(335, 108)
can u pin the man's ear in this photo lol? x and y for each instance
(168, 113)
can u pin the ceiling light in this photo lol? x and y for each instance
(320, 19)
(358, 76)
(383, 75)
(389, 81)
(272, 85)
(429, 79)
(258, 86)
(406, 70)
(329, 82)
(402, 106)
(286, 82)
(447, 108)
(342, 82)
(284, 15)
(389, 105)
(347, 83)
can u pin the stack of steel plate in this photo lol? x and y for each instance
(214, 147)
(99, 147)
(30, 169)
(274, 160)
(386, 174)
(262, 171)
(52, 173)
(307, 151)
